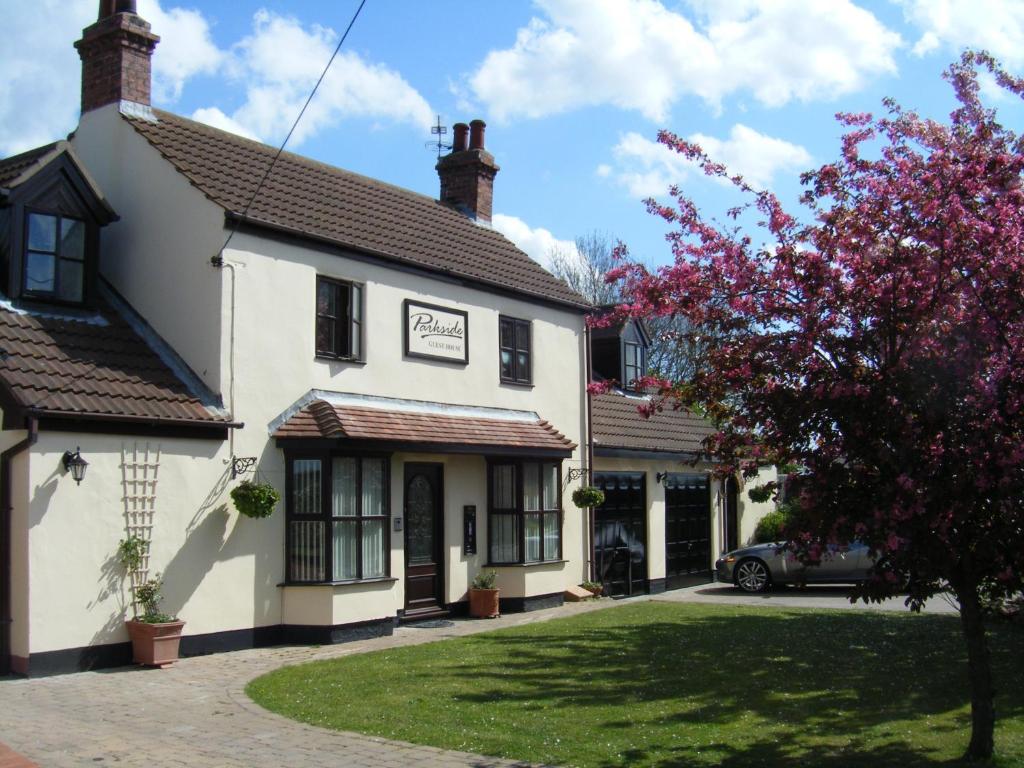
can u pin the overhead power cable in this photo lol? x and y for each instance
(280, 151)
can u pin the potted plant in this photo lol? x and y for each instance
(483, 596)
(587, 496)
(254, 499)
(593, 587)
(155, 636)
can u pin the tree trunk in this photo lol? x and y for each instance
(979, 671)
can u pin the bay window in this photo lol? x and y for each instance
(337, 519)
(524, 512)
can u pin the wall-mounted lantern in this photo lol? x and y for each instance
(75, 464)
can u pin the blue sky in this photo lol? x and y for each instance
(573, 91)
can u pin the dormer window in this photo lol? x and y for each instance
(54, 266)
(619, 352)
(51, 213)
(633, 359)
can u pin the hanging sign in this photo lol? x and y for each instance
(437, 333)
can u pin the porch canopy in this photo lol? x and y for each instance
(376, 423)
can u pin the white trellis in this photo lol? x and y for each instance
(140, 467)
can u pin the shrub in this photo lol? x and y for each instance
(772, 526)
(485, 580)
(130, 552)
(148, 597)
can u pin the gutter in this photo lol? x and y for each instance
(118, 418)
(6, 508)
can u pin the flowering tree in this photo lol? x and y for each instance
(881, 348)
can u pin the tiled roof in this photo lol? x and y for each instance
(313, 199)
(93, 366)
(12, 168)
(616, 423)
(321, 419)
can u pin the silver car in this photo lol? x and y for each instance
(756, 568)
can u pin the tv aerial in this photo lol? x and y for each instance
(440, 131)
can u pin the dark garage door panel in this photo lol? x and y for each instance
(620, 533)
(687, 530)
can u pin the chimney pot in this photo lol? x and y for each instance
(476, 134)
(461, 131)
(111, 7)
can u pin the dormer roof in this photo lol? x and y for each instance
(19, 173)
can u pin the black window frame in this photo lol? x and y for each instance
(520, 513)
(351, 323)
(639, 363)
(327, 517)
(54, 297)
(516, 324)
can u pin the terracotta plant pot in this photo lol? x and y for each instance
(596, 591)
(155, 645)
(483, 603)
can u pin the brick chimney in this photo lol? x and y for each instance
(467, 173)
(116, 55)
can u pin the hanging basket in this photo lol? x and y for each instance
(588, 496)
(256, 500)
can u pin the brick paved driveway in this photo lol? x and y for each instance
(196, 714)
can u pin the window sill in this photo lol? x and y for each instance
(524, 565)
(378, 580)
(325, 358)
(516, 384)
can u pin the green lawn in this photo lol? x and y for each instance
(661, 684)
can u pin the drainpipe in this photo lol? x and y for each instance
(6, 510)
(590, 451)
(218, 262)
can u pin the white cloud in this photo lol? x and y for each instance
(950, 25)
(40, 87)
(638, 55)
(537, 243)
(186, 48)
(213, 116)
(647, 169)
(756, 156)
(280, 62)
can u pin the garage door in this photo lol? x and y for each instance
(620, 533)
(687, 530)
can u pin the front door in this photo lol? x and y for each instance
(620, 533)
(424, 539)
(687, 530)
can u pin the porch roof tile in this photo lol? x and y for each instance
(322, 419)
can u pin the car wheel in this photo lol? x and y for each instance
(752, 576)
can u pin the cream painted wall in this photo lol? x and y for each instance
(221, 570)
(751, 512)
(158, 255)
(276, 295)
